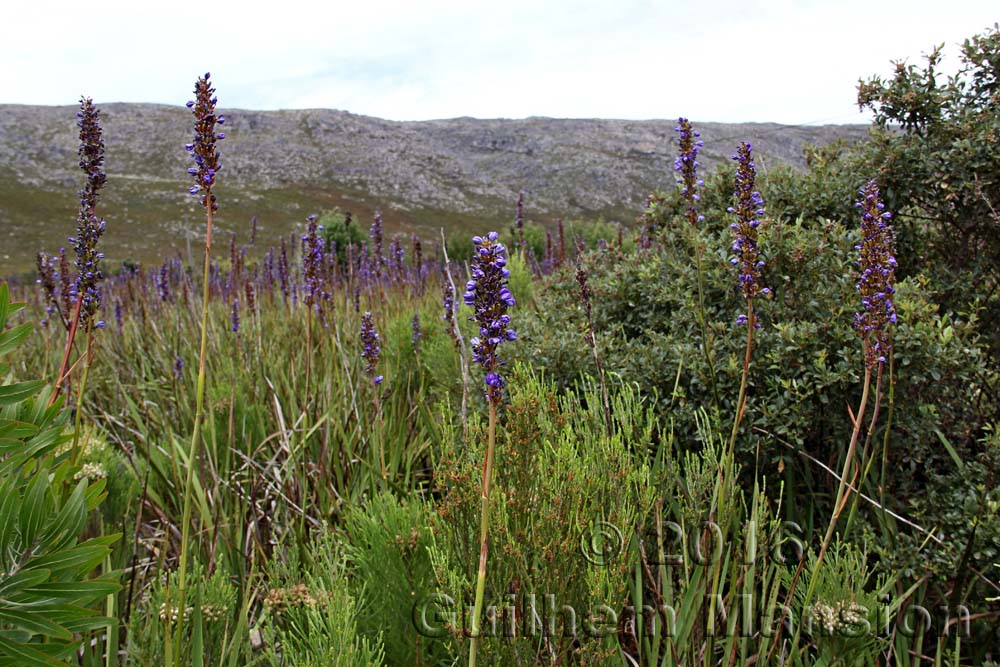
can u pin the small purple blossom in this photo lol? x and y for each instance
(178, 367)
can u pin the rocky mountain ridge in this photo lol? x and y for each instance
(281, 165)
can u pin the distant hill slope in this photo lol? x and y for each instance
(460, 173)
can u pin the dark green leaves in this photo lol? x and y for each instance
(46, 587)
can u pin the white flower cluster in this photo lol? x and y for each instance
(91, 471)
(210, 612)
(171, 613)
(838, 617)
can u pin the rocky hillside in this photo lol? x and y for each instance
(282, 165)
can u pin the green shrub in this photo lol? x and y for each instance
(47, 592)
(310, 616)
(338, 233)
(559, 480)
(211, 622)
(390, 572)
(807, 361)
(936, 151)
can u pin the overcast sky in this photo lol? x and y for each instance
(788, 61)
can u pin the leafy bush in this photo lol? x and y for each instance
(338, 232)
(806, 366)
(46, 589)
(936, 150)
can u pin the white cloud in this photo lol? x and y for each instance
(788, 61)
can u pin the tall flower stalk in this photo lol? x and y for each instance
(207, 165)
(488, 294)
(519, 221)
(416, 335)
(313, 250)
(85, 290)
(689, 144)
(748, 210)
(876, 285)
(873, 324)
(375, 234)
(370, 352)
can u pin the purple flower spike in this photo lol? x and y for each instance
(313, 254)
(487, 293)
(749, 205)
(417, 333)
(370, 347)
(375, 234)
(519, 220)
(234, 317)
(89, 227)
(686, 165)
(203, 149)
(876, 282)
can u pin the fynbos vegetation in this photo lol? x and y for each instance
(760, 427)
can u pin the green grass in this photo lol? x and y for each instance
(148, 220)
